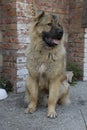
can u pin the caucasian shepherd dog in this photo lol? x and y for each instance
(46, 62)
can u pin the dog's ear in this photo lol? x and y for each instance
(39, 16)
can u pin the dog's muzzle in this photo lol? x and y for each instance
(53, 37)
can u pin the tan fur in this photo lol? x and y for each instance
(47, 68)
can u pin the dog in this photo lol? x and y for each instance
(46, 62)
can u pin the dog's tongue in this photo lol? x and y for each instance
(55, 41)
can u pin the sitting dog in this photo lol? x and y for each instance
(46, 62)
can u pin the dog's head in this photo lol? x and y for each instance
(48, 28)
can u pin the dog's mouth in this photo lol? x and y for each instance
(51, 42)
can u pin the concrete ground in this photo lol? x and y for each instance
(72, 117)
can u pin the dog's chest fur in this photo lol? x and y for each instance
(47, 64)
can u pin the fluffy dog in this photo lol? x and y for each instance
(46, 58)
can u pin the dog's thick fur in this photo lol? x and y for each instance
(47, 65)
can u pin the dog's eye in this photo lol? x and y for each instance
(49, 24)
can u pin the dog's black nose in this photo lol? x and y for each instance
(59, 31)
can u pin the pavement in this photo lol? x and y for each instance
(71, 117)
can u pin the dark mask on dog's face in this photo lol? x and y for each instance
(52, 38)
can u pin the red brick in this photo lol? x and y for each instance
(10, 33)
(10, 46)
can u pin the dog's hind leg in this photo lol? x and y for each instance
(65, 99)
(64, 93)
(32, 88)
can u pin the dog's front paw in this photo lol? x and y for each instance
(30, 109)
(52, 114)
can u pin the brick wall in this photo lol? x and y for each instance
(76, 33)
(15, 17)
(14, 36)
(23, 25)
(1, 40)
(9, 38)
(1, 57)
